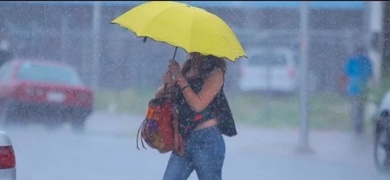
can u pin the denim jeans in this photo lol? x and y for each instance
(204, 153)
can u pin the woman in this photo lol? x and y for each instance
(203, 115)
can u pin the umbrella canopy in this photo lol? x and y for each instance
(181, 25)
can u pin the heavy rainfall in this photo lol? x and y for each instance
(74, 90)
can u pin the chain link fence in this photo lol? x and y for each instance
(64, 33)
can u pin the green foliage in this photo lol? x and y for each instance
(125, 101)
(377, 94)
(326, 111)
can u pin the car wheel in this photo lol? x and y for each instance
(78, 124)
(382, 149)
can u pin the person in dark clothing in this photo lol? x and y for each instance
(204, 116)
(358, 70)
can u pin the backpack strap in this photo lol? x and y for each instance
(138, 136)
(178, 138)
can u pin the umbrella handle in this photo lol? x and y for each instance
(174, 54)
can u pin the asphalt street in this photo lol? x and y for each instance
(107, 151)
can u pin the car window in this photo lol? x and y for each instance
(48, 74)
(5, 72)
(270, 59)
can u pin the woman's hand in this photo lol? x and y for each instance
(167, 87)
(167, 79)
(174, 68)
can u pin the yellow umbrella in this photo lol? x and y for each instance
(181, 25)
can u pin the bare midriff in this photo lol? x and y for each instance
(206, 124)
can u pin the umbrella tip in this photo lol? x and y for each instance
(144, 39)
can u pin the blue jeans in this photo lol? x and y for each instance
(204, 153)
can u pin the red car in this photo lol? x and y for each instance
(44, 91)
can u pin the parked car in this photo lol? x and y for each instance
(382, 135)
(43, 91)
(7, 158)
(269, 70)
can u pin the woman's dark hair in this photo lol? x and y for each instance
(209, 63)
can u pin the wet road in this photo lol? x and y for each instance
(106, 151)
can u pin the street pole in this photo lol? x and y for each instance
(64, 37)
(96, 45)
(304, 121)
(375, 19)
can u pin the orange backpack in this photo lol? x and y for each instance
(160, 128)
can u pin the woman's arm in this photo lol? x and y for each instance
(212, 85)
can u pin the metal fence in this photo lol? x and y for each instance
(126, 62)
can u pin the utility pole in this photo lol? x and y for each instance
(375, 23)
(96, 45)
(385, 44)
(64, 28)
(304, 121)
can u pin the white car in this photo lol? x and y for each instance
(382, 135)
(7, 158)
(272, 69)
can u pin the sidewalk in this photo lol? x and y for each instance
(332, 146)
(272, 154)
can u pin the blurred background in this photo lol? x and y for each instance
(124, 72)
(65, 32)
(112, 58)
